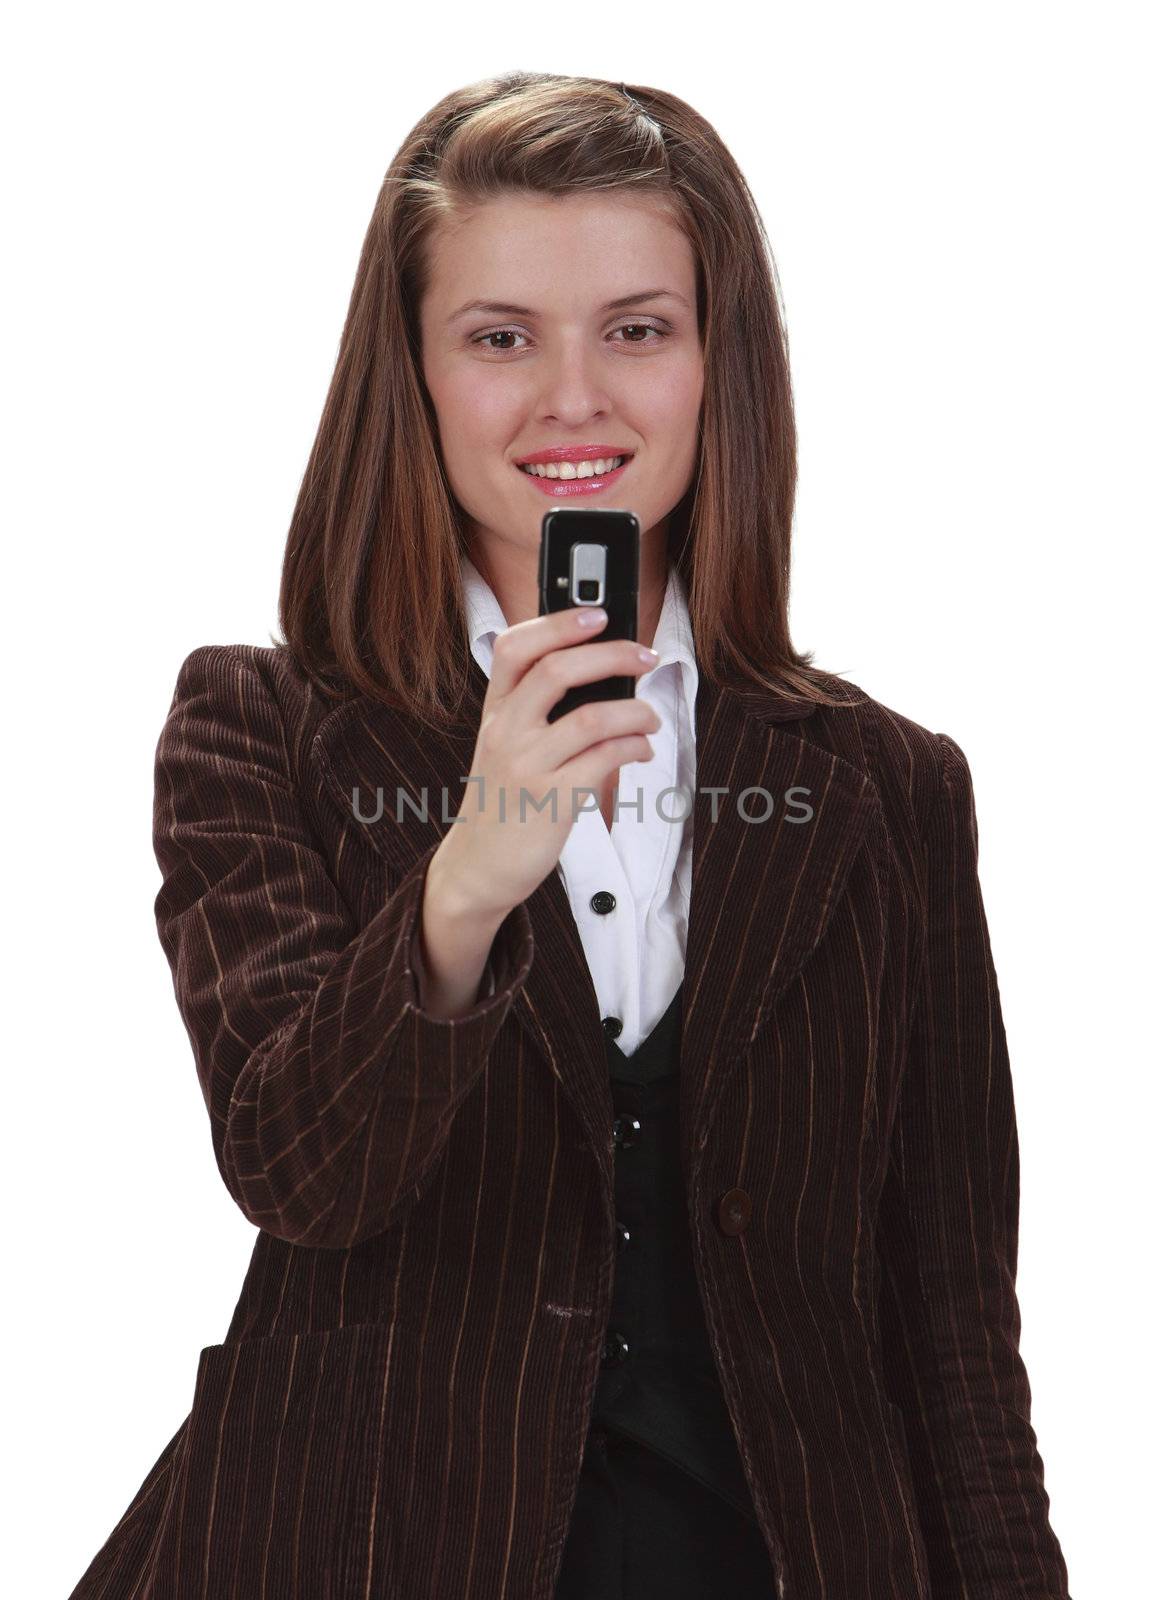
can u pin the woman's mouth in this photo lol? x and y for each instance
(563, 478)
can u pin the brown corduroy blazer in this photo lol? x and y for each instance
(401, 1400)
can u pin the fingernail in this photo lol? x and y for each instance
(591, 617)
(647, 655)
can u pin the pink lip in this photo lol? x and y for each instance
(573, 452)
(562, 488)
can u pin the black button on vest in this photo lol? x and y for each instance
(658, 1382)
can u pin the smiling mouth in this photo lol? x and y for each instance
(568, 480)
(569, 470)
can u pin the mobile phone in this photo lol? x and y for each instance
(591, 558)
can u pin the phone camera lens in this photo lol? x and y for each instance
(588, 589)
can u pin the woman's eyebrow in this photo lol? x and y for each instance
(500, 308)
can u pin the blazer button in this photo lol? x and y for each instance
(624, 1234)
(625, 1131)
(733, 1212)
(602, 902)
(615, 1349)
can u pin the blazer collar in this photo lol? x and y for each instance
(762, 893)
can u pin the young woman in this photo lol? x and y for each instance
(646, 1226)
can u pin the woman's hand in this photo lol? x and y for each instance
(504, 846)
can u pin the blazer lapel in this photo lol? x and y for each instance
(762, 892)
(761, 896)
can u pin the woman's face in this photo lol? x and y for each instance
(563, 370)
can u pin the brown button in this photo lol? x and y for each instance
(615, 1349)
(625, 1131)
(733, 1212)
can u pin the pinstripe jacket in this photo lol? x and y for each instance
(400, 1403)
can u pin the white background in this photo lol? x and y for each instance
(959, 203)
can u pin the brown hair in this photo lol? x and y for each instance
(376, 536)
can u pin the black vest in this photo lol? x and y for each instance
(658, 1383)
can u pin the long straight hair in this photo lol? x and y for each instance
(371, 595)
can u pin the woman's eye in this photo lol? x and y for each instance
(500, 333)
(483, 339)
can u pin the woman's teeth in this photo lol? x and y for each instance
(575, 469)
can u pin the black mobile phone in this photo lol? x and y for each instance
(591, 558)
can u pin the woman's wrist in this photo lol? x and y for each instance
(456, 885)
(455, 938)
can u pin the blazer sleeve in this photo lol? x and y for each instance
(330, 1091)
(948, 1247)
